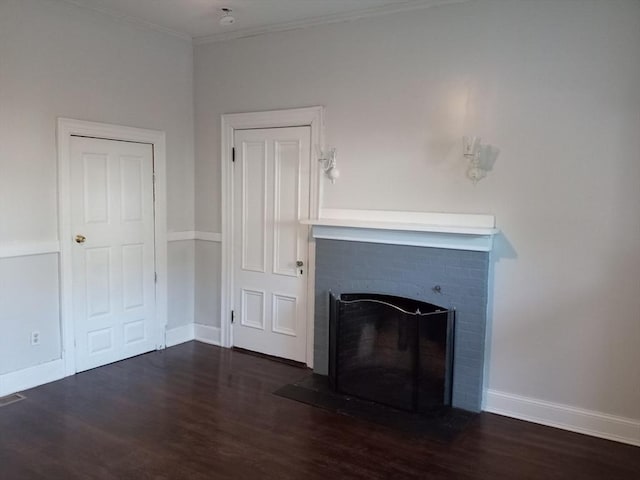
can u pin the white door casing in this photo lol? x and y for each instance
(271, 196)
(306, 116)
(113, 250)
(131, 328)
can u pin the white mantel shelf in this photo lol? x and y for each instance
(421, 229)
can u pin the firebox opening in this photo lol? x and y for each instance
(391, 350)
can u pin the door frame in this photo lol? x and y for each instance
(297, 117)
(67, 128)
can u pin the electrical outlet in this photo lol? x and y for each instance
(35, 338)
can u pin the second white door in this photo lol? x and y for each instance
(271, 196)
(113, 255)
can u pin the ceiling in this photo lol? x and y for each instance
(198, 19)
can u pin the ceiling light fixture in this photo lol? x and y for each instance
(226, 19)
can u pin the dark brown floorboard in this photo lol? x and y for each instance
(200, 412)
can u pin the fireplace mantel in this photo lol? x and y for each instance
(381, 252)
(423, 229)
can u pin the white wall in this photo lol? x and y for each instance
(207, 283)
(29, 302)
(181, 273)
(555, 86)
(58, 60)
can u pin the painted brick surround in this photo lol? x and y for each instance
(409, 271)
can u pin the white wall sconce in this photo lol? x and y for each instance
(327, 161)
(481, 158)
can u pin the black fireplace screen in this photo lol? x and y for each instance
(391, 350)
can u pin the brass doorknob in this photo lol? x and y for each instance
(80, 238)
(299, 263)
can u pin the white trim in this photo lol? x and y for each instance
(424, 220)
(9, 250)
(207, 334)
(589, 422)
(178, 335)
(138, 22)
(209, 236)
(458, 231)
(309, 116)
(181, 236)
(24, 379)
(406, 6)
(453, 241)
(66, 128)
(193, 235)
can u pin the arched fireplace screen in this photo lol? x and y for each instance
(391, 350)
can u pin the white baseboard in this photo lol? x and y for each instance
(207, 334)
(589, 422)
(31, 377)
(55, 370)
(178, 335)
(186, 333)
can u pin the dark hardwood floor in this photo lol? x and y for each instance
(200, 412)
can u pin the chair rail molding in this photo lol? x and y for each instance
(25, 249)
(194, 235)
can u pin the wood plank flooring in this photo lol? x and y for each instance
(200, 412)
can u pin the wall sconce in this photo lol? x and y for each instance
(471, 149)
(327, 161)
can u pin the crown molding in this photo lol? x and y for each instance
(406, 6)
(130, 19)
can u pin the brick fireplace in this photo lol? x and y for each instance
(435, 258)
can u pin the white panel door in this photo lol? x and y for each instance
(113, 250)
(270, 247)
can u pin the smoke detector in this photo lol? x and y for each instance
(226, 19)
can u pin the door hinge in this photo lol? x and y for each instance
(155, 277)
(233, 154)
(233, 316)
